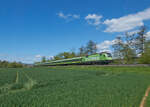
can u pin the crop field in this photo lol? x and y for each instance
(74, 86)
(148, 101)
(7, 76)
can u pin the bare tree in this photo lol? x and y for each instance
(91, 47)
(141, 40)
(82, 51)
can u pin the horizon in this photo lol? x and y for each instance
(36, 28)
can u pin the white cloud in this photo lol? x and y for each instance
(128, 22)
(76, 16)
(148, 35)
(93, 19)
(106, 45)
(136, 31)
(38, 56)
(68, 17)
(133, 32)
(61, 15)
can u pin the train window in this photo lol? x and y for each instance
(109, 55)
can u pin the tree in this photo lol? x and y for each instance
(6, 64)
(128, 54)
(141, 40)
(118, 46)
(82, 51)
(57, 57)
(91, 48)
(65, 55)
(145, 57)
(124, 49)
(12, 65)
(72, 55)
(43, 59)
(129, 48)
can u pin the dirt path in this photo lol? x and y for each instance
(145, 97)
(7, 89)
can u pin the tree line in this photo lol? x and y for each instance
(130, 48)
(88, 49)
(6, 64)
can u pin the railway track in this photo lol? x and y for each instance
(113, 65)
(146, 65)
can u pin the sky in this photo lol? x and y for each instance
(30, 29)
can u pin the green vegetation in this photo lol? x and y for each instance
(145, 57)
(75, 86)
(6, 64)
(132, 48)
(89, 49)
(148, 101)
(7, 76)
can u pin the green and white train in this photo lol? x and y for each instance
(99, 58)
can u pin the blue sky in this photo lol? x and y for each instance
(30, 29)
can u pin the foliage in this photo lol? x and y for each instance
(128, 48)
(123, 50)
(118, 47)
(65, 55)
(6, 64)
(82, 51)
(145, 57)
(91, 48)
(43, 59)
(141, 40)
(128, 54)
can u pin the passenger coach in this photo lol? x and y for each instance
(99, 58)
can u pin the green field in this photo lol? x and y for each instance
(74, 86)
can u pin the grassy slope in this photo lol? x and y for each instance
(80, 87)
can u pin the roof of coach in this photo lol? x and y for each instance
(67, 59)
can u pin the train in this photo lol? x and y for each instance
(98, 58)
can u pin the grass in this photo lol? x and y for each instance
(148, 101)
(77, 86)
(7, 76)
